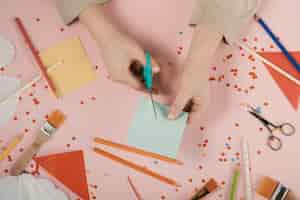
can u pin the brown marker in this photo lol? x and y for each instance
(208, 188)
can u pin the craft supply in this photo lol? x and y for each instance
(35, 54)
(55, 120)
(136, 193)
(27, 86)
(69, 169)
(11, 146)
(207, 189)
(278, 43)
(147, 76)
(7, 52)
(136, 167)
(151, 134)
(7, 110)
(76, 70)
(136, 151)
(267, 62)
(246, 167)
(272, 189)
(234, 183)
(289, 88)
(274, 142)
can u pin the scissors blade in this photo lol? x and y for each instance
(153, 105)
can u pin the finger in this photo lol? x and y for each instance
(177, 107)
(155, 66)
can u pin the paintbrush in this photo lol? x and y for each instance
(207, 189)
(55, 120)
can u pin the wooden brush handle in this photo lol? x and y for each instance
(24, 159)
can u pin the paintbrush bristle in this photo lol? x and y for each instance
(211, 185)
(56, 118)
(266, 187)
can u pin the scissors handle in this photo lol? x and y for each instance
(287, 129)
(147, 72)
(274, 143)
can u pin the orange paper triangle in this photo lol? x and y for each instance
(290, 89)
(69, 169)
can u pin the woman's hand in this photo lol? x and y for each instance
(193, 92)
(118, 50)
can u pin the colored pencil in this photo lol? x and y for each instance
(136, 167)
(267, 62)
(11, 146)
(35, 54)
(137, 194)
(246, 167)
(278, 43)
(234, 183)
(136, 151)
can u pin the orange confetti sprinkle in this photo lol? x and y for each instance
(212, 79)
(190, 180)
(36, 101)
(163, 197)
(229, 56)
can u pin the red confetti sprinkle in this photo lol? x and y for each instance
(233, 70)
(93, 197)
(261, 129)
(20, 98)
(229, 138)
(6, 171)
(31, 165)
(245, 40)
(223, 154)
(206, 141)
(31, 94)
(237, 154)
(9, 158)
(255, 39)
(235, 86)
(33, 85)
(33, 121)
(180, 48)
(225, 159)
(246, 91)
(229, 56)
(46, 86)
(163, 197)
(221, 159)
(202, 128)
(255, 48)
(93, 98)
(21, 150)
(234, 74)
(27, 113)
(227, 84)
(96, 67)
(239, 89)
(26, 130)
(200, 167)
(36, 101)
(243, 54)
(2, 69)
(254, 68)
(73, 138)
(228, 147)
(266, 103)
(81, 102)
(262, 49)
(68, 145)
(46, 116)
(179, 52)
(212, 79)
(62, 29)
(37, 19)
(252, 87)
(190, 180)
(204, 145)
(15, 118)
(258, 152)
(223, 182)
(214, 68)
(203, 180)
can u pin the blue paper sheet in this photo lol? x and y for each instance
(161, 135)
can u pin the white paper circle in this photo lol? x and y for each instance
(27, 187)
(7, 52)
(8, 86)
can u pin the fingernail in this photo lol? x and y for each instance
(171, 116)
(156, 69)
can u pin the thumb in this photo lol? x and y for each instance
(178, 105)
(155, 66)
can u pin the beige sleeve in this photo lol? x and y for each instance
(229, 18)
(69, 10)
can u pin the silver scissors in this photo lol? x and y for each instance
(274, 142)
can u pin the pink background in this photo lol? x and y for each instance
(157, 25)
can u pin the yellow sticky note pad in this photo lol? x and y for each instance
(75, 69)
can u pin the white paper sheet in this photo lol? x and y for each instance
(28, 187)
(8, 86)
(7, 52)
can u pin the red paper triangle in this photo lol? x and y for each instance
(290, 89)
(69, 169)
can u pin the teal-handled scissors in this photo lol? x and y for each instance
(148, 79)
(273, 141)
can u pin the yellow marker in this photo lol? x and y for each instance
(11, 146)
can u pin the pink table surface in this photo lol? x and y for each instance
(98, 109)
